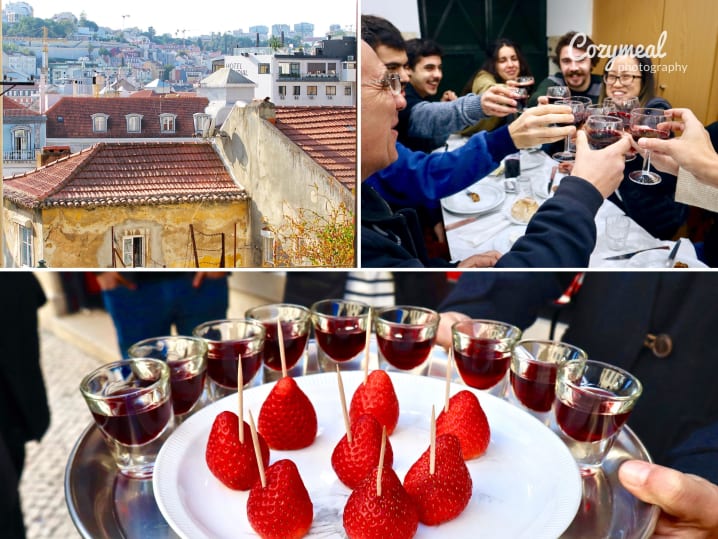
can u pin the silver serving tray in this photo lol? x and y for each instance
(105, 504)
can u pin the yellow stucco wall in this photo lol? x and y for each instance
(81, 237)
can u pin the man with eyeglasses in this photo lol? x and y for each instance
(561, 234)
(575, 63)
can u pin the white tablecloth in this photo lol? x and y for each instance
(494, 230)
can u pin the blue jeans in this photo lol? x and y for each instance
(158, 303)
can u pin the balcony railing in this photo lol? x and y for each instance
(307, 77)
(19, 155)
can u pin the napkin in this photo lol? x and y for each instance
(694, 193)
(485, 229)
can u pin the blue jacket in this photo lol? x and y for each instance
(562, 234)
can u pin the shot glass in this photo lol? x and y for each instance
(130, 403)
(187, 359)
(405, 336)
(532, 374)
(295, 321)
(230, 341)
(617, 228)
(482, 351)
(340, 328)
(593, 402)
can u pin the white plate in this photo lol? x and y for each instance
(657, 259)
(507, 212)
(525, 486)
(461, 203)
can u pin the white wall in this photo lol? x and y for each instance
(565, 15)
(404, 14)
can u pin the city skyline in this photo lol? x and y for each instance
(135, 13)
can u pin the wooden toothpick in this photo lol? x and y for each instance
(381, 461)
(432, 443)
(240, 393)
(366, 347)
(257, 451)
(449, 364)
(280, 339)
(343, 400)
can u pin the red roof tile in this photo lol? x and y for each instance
(114, 174)
(327, 134)
(13, 108)
(76, 115)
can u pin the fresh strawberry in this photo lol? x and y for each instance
(467, 420)
(378, 398)
(443, 495)
(287, 419)
(230, 461)
(393, 514)
(353, 461)
(282, 509)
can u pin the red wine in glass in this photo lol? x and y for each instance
(640, 131)
(600, 138)
(480, 364)
(588, 419)
(294, 345)
(535, 387)
(406, 352)
(343, 339)
(186, 389)
(133, 422)
(222, 363)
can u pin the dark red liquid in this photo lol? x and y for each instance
(625, 117)
(294, 346)
(132, 422)
(600, 138)
(521, 102)
(186, 389)
(579, 118)
(640, 131)
(405, 353)
(536, 388)
(343, 340)
(480, 365)
(222, 363)
(552, 99)
(588, 421)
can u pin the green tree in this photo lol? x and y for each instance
(275, 43)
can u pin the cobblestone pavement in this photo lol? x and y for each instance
(42, 485)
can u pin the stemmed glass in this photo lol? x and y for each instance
(554, 93)
(622, 109)
(405, 335)
(603, 130)
(651, 123)
(521, 95)
(578, 119)
(340, 328)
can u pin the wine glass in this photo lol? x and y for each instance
(521, 95)
(554, 93)
(340, 328)
(603, 130)
(405, 335)
(622, 108)
(651, 123)
(578, 119)
(524, 81)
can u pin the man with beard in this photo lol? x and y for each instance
(576, 64)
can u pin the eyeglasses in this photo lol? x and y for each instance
(391, 82)
(625, 78)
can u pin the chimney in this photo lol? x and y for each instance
(257, 40)
(75, 88)
(50, 154)
(266, 109)
(282, 39)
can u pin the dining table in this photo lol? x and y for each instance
(105, 504)
(479, 218)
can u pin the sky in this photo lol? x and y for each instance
(194, 18)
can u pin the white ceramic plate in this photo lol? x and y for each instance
(657, 258)
(461, 203)
(525, 486)
(507, 212)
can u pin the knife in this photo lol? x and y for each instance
(629, 255)
(463, 222)
(672, 255)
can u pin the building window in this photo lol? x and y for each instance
(332, 68)
(99, 123)
(267, 247)
(167, 123)
(331, 90)
(316, 68)
(311, 91)
(25, 237)
(134, 123)
(21, 145)
(348, 90)
(282, 91)
(133, 251)
(297, 91)
(294, 69)
(264, 69)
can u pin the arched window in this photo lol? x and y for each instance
(134, 123)
(99, 122)
(167, 123)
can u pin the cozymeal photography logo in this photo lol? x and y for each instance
(608, 51)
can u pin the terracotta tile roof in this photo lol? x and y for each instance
(117, 174)
(77, 122)
(13, 108)
(327, 134)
